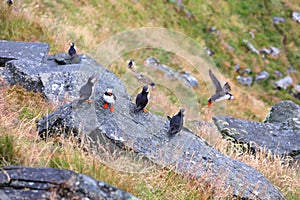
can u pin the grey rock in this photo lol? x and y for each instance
(277, 20)
(250, 46)
(273, 51)
(245, 80)
(280, 132)
(55, 82)
(193, 82)
(296, 16)
(186, 77)
(34, 51)
(291, 69)
(242, 71)
(152, 61)
(283, 112)
(64, 58)
(264, 75)
(278, 74)
(284, 82)
(146, 135)
(17, 182)
(296, 91)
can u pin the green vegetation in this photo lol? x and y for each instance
(88, 23)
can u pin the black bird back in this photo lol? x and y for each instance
(142, 99)
(176, 123)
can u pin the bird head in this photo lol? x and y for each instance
(146, 89)
(72, 44)
(182, 111)
(109, 91)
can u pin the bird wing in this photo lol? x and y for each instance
(215, 82)
(226, 87)
(85, 92)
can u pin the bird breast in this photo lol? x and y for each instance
(109, 98)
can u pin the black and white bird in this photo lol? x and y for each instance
(131, 64)
(142, 99)
(86, 91)
(221, 93)
(72, 50)
(110, 99)
(10, 2)
(176, 123)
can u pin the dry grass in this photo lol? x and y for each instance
(135, 175)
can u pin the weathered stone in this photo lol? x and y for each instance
(245, 80)
(296, 16)
(277, 20)
(146, 135)
(264, 75)
(34, 51)
(55, 82)
(64, 59)
(48, 183)
(187, 78)
(250, 46)
(284, 82)
(280, 132)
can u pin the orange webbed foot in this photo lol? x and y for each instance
(112, 109)
(209, 103)
(145, 110)
(105, 105)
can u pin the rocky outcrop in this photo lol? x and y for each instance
(23, 50)
(47, 183)
(143, 133)
(280, 132)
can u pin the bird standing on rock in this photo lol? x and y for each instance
(72, 50)
(131, 64)
(10, 2)
(109, 98)
(142, 99)
(221, 93)
(176, 123)
(86, 91)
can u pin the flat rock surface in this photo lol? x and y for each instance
(10, 50)
(280, 132)
(48, 183)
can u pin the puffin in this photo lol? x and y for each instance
(176, 123)
(142, 99)
(131, 64)
(109, 98)
(72, 50)
(10, 2)
(86, 91)
(221, 93)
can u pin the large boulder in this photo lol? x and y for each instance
(47, 183)
(10, 50)
(280, 132)
(146, 135)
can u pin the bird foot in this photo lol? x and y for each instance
(179, 134)
(112, 109)
(145, 110)
(89, 100)
(105, 105)
(209, 103)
